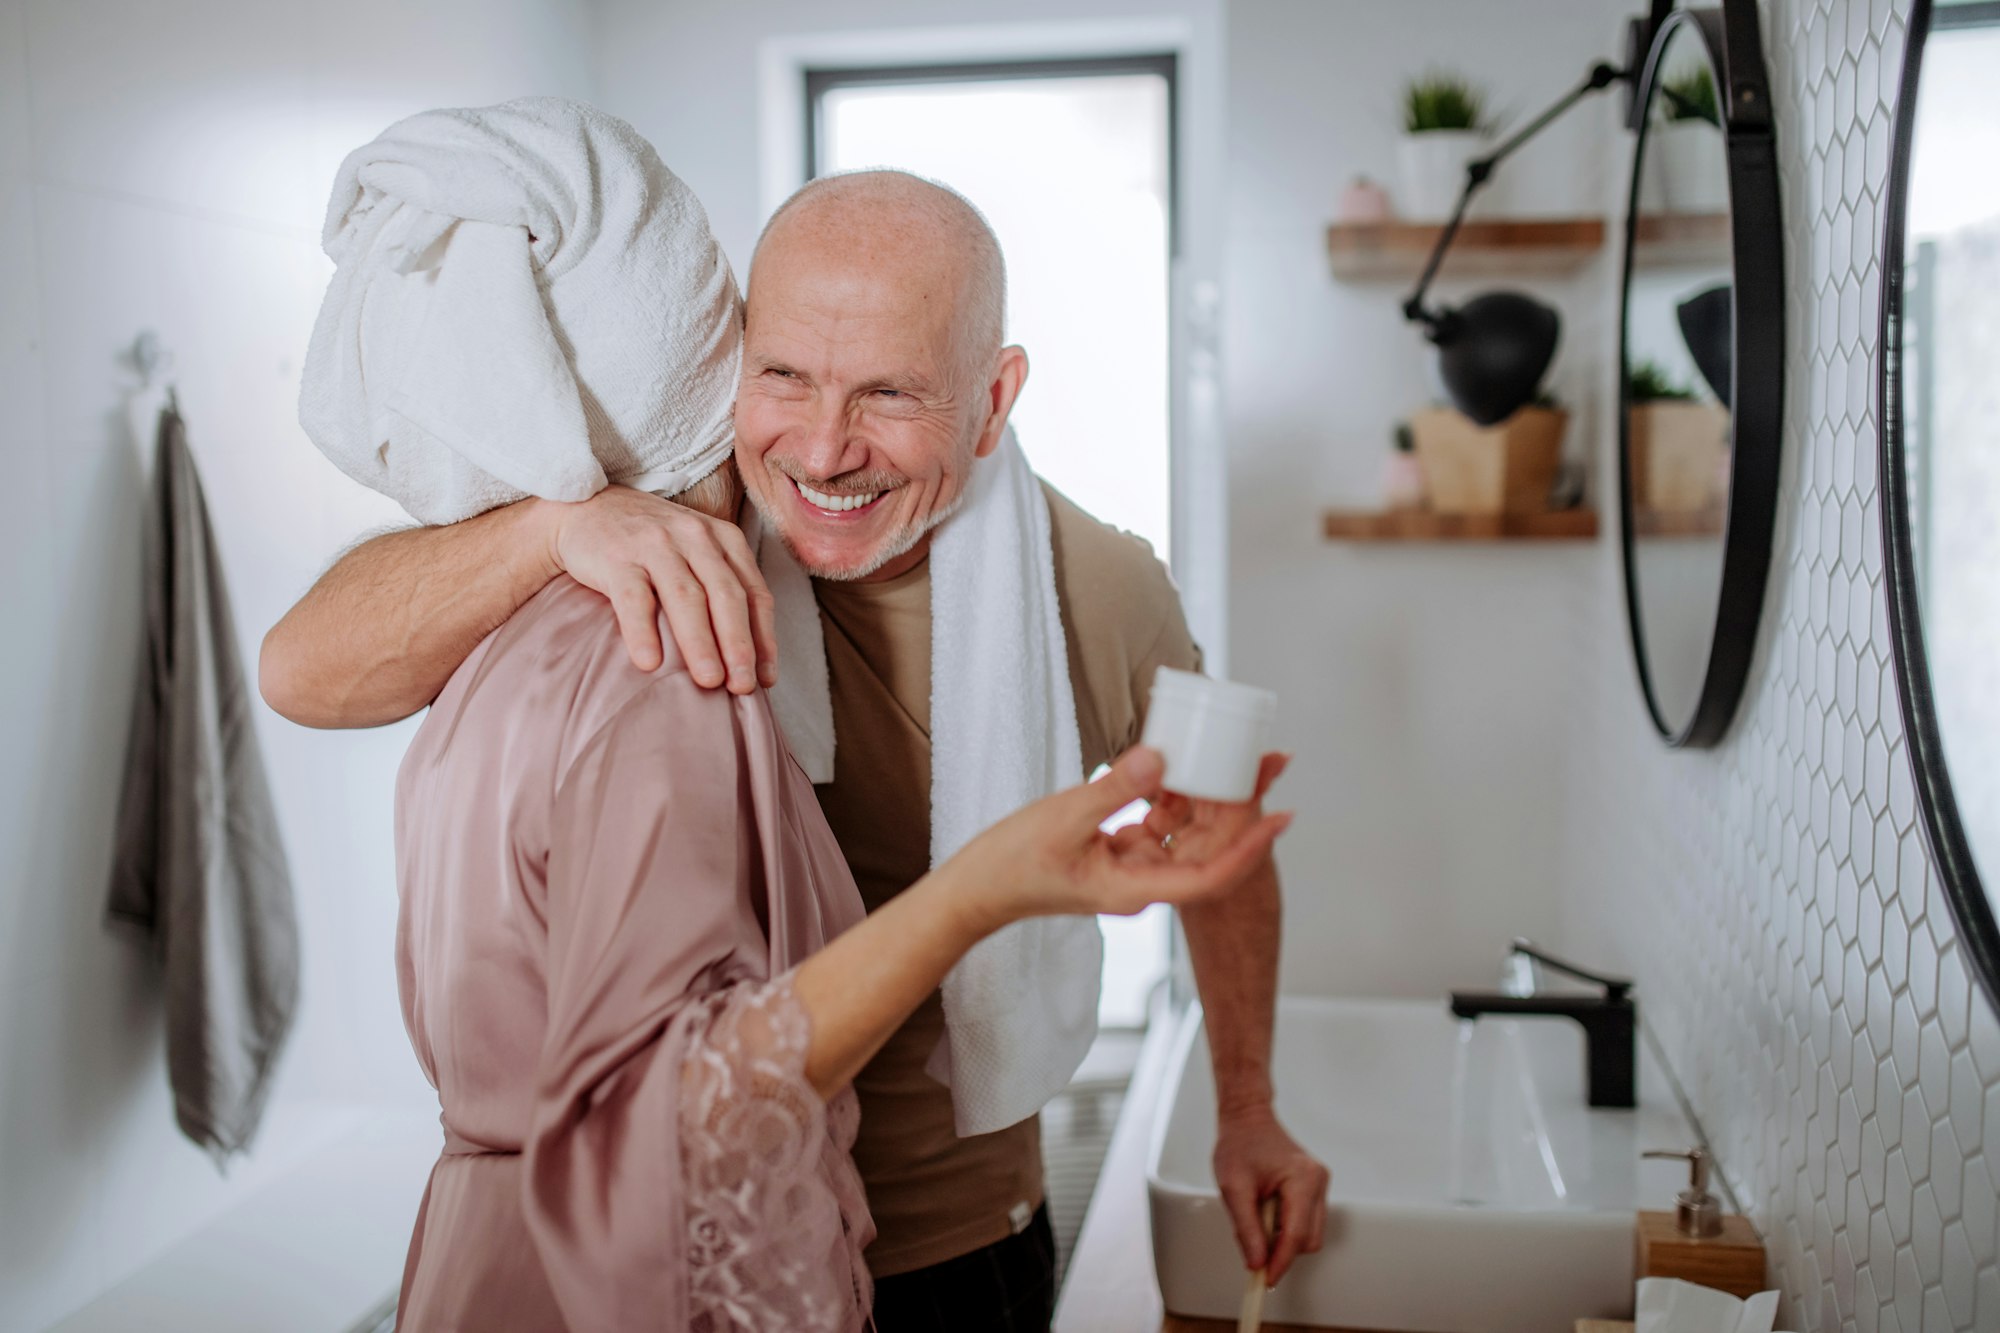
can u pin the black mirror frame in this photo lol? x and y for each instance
(1944, 830)
(1730, 40)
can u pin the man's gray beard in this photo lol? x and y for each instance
(897, 546)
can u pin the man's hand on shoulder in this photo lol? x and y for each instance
(379, 635)
(649, 555)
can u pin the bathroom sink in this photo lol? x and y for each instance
(1472, 1190)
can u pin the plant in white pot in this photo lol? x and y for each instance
(1688, 145)
(1444, 129)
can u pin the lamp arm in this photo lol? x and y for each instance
(1602, 75)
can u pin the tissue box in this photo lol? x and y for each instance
(1669, 1305)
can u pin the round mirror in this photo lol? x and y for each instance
(1701, 353)
(1940, 413)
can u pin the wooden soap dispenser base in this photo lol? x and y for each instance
(1698, 1242)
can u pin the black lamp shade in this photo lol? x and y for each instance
(1708, 327)
(1493, 352)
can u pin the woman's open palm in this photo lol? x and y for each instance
(1053, 858)
(1190, 828)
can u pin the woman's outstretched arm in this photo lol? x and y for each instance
(1049, 859)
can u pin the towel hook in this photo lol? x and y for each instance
(150, 357)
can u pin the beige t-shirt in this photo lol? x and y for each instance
(934, 1195)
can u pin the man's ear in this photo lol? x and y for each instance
(1008, 377)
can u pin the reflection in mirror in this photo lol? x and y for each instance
(1679, 330)
(1950, 416)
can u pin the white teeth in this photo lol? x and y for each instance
(835, 504)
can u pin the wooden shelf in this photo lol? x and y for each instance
(1664, 240)
(1421, 525)
(1360, 250)
(1677, 523)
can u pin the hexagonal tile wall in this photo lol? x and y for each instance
(1774, 896)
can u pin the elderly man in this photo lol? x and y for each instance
(874, 382)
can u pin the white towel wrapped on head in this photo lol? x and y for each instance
(526, 302)
(1020, 1009)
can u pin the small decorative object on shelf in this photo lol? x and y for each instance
(1402, 476)
(1444, 123)
(1364, 201)
(1505, 468)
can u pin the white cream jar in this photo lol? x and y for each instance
(1212, 733)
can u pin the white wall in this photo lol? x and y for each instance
(1423, 687)
(166, 168)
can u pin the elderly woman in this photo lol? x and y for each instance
(632, 959)
(637, 969)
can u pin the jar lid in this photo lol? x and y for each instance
(1226, 696)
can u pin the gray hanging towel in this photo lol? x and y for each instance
(199, 866)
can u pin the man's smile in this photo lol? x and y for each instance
(836, 506)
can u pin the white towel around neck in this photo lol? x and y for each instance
(525, 302)
(1020, 1008)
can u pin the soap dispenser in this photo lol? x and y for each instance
(1698, 1242)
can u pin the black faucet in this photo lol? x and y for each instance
(1610, 1021)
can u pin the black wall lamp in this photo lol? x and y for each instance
(1494, 349)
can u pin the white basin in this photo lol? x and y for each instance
(1473, 1191)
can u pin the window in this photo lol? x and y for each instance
(1071, 161)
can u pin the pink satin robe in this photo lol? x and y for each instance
(605, 876)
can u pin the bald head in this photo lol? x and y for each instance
(918, 226)
(874, 378)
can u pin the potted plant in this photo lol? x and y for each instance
(1679, 444)
(1444, 129)
(1687, 143)
(1501, 469)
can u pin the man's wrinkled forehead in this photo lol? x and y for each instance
(805, 288)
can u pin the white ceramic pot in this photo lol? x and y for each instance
(1652, 179)
(1694, 168)
(1432, 165)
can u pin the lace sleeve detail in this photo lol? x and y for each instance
(776, 1220)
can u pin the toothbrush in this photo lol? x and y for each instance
(1251, 1319)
